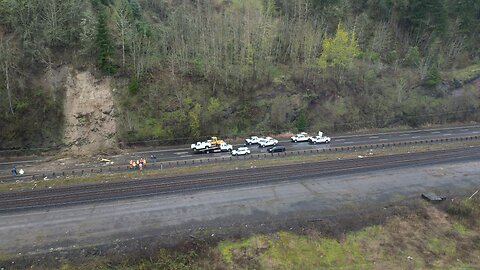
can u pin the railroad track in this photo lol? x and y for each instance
(21, 200)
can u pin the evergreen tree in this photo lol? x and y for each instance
(104, 44)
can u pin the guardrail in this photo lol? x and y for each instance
(211, 160)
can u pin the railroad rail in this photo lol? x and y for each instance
(23, 200)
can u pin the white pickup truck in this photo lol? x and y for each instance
(319, 138)
(252, 140)
(268, 141)
(302, 137)
(208, 147)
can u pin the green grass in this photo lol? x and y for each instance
(286, 250)
(441, 246)
(427, 240)
(459, 228)
(417, 244)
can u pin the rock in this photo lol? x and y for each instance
(432, 197)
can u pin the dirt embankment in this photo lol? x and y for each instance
(89, 114)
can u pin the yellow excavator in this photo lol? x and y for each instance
(216, 141)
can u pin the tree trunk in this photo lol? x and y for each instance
(9, 94)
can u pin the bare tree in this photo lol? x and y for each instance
(6, 57)
(122, 15)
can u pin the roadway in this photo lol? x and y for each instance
(184, 153)
(193, 182)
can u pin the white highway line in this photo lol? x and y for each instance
(436, 132)
(21, 162)
(410, 131)
(383, 140)
(186, 156)
(447, 134)
(347, 142)
(406, 134)
(339, 140)
(465, 129)
(476, 132)
(181, 153)
(415, 137)
(373, 137)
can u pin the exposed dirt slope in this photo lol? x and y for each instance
(89, 113)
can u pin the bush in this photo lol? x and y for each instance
(433, 77)
(462, 208)
(133, 86)
(301, 122)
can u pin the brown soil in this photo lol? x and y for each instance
(89, 113)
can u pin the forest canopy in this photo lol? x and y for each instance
(193, 68)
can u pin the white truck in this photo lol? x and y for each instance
(268, 141)
(319, 138)
(252, 140)
(302, 137)
(211, 146)
(241, 151)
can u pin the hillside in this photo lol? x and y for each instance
(186, 69)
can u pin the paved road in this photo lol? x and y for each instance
(184, 152)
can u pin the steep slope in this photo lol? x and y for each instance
(89, 113)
